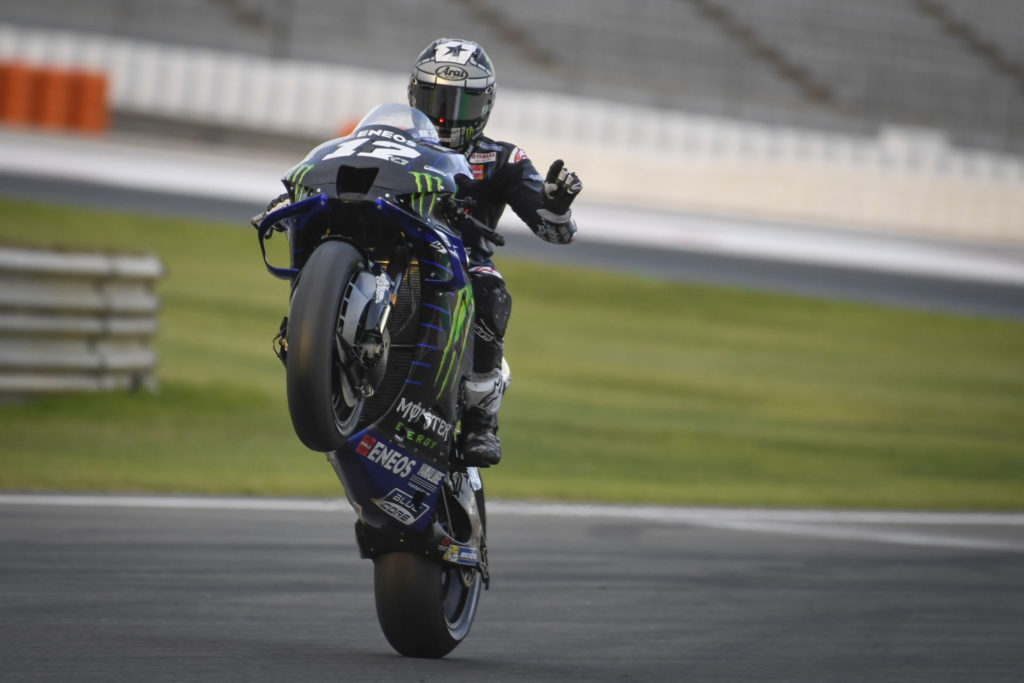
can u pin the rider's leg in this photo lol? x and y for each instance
(487, 384)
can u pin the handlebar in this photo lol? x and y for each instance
(463, 221)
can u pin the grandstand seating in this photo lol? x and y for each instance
(880, 61)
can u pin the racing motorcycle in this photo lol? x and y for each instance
(376, 345)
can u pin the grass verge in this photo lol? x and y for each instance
(624, 389)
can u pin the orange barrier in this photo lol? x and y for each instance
(89, 110)
(53, 98)
(16, 93)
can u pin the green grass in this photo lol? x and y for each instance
(624, 389)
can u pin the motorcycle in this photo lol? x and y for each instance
(376, 345)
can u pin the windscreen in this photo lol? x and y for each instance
(404, 117)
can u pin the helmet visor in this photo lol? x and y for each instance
(450, 105)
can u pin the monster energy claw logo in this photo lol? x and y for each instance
(295, 177)
(298, 173)
(425, 184)
(461, 316)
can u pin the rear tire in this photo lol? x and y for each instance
(324, 407)
(424, 607)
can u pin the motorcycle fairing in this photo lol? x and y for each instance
(403, 455)
(387, 479)
(465, 546)
(295, 217)
(395, 469)
(349, 171)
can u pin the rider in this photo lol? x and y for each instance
(453, 84)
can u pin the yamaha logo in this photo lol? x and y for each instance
(452, 73)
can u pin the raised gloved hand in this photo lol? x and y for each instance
(560, 188)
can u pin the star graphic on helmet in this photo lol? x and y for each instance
(455, 49)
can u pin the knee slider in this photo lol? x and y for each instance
(493, 307)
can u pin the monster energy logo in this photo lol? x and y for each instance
(461, 316)
(295, 177)
(425, 183)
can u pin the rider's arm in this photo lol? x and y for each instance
(541, 203)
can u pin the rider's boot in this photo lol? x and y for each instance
(480, 446)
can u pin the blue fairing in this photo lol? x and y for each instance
(432, 234)
(294, 218)
(390, 483)
(384, 189)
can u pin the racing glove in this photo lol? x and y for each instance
(278, 202)
(560, 189)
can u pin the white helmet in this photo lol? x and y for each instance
(452, 83)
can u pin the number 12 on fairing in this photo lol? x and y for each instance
(378, 148)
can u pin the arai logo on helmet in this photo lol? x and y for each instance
(452, 73)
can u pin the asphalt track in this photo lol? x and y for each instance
(163, 589)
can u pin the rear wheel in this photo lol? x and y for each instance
(324, 405)
(426, 607)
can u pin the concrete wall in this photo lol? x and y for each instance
(954, 65)
(903, 179)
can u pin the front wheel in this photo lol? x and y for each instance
(425, 607)
(324, 405)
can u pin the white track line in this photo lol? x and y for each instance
(651, 513)
(175, 502)
(688, 515)
(825, 524)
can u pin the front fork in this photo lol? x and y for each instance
(371, 347)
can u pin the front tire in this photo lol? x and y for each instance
(323, 404)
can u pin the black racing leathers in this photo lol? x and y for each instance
(504, 176)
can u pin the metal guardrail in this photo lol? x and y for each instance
(74, 322)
